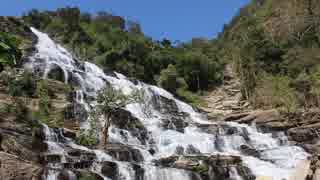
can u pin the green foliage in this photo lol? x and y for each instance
(275, 92)
(110, 99)
(19, 84)
(190, 97)
(118, 44)
(201, 168)
(169, 79)
(44, 99)
(87, 177)
(279, 40)
(10, 53)
(46, 113)
(86, 139)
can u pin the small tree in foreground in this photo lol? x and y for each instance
(109, 101)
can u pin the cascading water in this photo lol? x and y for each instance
(276, 157)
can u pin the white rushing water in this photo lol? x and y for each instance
(277, 159)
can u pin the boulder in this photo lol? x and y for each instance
(123, 119)
(175, 123)
(139, 171)
(165, 105)
(69, 133)
(192, 150)
(246, 150)
(179, 150)
(308, 133)
(110, 170)
(258, 116)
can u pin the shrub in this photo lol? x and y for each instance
(10, 53)
(190, 97)
(275, 92)
(86, 139)
(170, 80)
(23, 84)
(46, 113)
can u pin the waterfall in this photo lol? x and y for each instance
(188, 135)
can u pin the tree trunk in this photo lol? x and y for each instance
(105, 130)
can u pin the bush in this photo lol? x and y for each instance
(21, 84)
(86, 139)
(275, 92)
(190, 97)
(170, 80)
(10, 53)
(46, 113)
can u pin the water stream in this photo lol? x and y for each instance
(277, 158)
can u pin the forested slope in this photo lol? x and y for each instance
(275, 47)
(118, 44)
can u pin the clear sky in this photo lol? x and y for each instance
(173, 19)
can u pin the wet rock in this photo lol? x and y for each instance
(165, 105)
(224, 160)
(186, 164)
(167, 161)
(230, 130)
(192, 150)
(56, 73)
(246, 150)
(175, 123)
(67, 175)
(75, 155)
(123, 119)
(208, 167)
(76, 111)
(12, 167)
(51, 158)
(139, 172)
(110, 170)
(69, 133)
(179, 150)
(210, 128)
(124, 153)
(152, 151)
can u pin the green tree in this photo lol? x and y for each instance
(10, 53)
(170, 80)
(109, 101)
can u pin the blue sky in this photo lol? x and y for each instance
(173, 19)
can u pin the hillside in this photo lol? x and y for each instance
(274, 45)
(91, 97)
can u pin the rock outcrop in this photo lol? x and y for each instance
(12, 167)
(208, 167)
